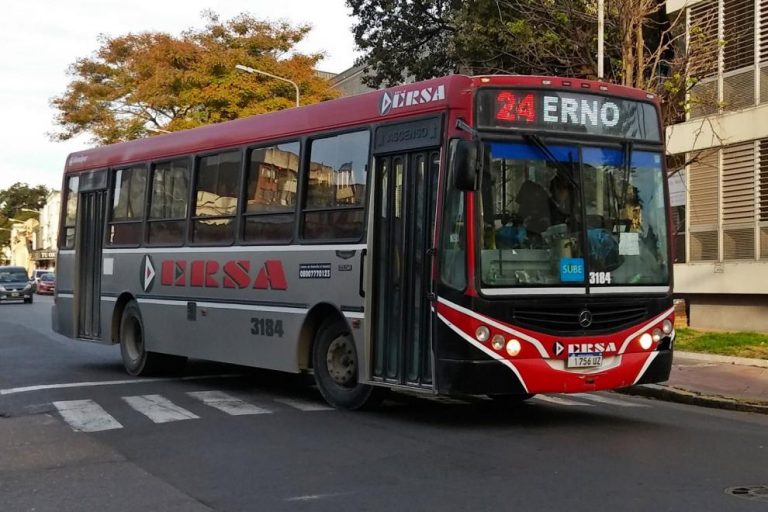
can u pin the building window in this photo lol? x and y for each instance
(216, 195)
(704, 192)
(729, 39)
(168, 203)
(128, 192)
(335, 201)
(738, 201)
(271, 193)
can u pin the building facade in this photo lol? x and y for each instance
(720, 200)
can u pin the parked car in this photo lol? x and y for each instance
(15, 284)
(46, 283)
(36, 276)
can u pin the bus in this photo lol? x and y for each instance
(491, 235)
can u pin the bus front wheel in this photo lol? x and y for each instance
(335, 362)
(137, 360)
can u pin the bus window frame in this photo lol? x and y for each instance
(108, 221)
(189, 160)
(236, 217)
(307, 141)
(62, 234)
(243, 206)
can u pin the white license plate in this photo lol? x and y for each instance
(585, 360)
(14, 294)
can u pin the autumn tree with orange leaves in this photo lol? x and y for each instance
(136, 84)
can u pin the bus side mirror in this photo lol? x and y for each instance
(467, 165)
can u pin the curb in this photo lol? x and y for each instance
(683, 396)
(715, 358)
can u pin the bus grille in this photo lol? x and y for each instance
(609, 316)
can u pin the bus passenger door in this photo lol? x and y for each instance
(405, 190)
(89, 240)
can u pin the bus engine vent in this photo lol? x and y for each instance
(565, 317)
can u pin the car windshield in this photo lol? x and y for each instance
(48, 278)
(571, 215)
(12, 276)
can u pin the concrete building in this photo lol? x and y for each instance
(721, 200)
(44, 251)
(350, 82)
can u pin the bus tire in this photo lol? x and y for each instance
(335, 363)
(138, 361)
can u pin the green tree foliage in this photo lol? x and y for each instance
(138, 82)
(14, 201)
(419, 39)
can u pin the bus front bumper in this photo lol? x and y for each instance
(531, 376)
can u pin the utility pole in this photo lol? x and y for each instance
(600, 37)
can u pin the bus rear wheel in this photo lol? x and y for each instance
(137, 360)
(334, 359)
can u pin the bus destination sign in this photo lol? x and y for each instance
(570, 112)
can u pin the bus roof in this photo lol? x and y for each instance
(376, 106)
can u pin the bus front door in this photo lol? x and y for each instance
(90, 236)
(406, 185)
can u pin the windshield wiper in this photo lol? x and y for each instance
(541, 146)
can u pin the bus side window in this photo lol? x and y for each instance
(217, 192)
(452, 237)
(335, 202)
(168, 203)
(70, 214)
(128, 192)
(271, 193)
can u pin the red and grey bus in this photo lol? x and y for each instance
(491, 235)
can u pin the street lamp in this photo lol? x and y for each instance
(155, 130)
(251, 70)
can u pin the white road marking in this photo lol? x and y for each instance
(560, 401)
(303, 405)
(41, 387)
(227, 403)
(158, 409)
(605, 400)
(86, 416)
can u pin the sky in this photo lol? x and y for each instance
(39, 40)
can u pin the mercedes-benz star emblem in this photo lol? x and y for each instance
(585, 318)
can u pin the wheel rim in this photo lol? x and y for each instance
(134, 343)
(341, 361)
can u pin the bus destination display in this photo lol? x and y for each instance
(563, 111)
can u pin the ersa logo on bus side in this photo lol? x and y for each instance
(409, 97)
(212, 274)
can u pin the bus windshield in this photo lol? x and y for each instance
(571, 216)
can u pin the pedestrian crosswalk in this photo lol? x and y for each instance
(89, 416)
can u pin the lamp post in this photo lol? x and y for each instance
(256, 71)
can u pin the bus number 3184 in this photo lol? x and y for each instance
(266, 327)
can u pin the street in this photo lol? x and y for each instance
(77, 433)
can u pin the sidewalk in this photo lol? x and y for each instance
(734, 383)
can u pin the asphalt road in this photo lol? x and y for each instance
(78, 434)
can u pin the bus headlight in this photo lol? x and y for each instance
(645, 341)
(656, 335)
(482, 333)
(497, 342)
(513, 347)
(666, 326)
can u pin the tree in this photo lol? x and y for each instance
(139, 82)
(14, 200)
